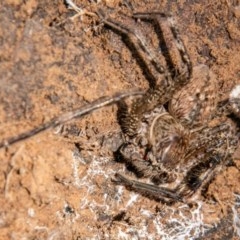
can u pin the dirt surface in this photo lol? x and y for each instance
(57, 185)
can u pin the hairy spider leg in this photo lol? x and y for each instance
(175, 51)
(150, 190)
(77, 113)
(137, 42)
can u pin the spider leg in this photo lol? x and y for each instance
(212, 137)
(196, 178)
(175, 51)
(152, 191)
(138, 42)
(77, 113)
(213, 151)
(200, 175)
(180, 69)
(143, 167)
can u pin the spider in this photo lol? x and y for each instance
(177, 133)
(170, 134)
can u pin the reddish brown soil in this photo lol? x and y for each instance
(51, 64)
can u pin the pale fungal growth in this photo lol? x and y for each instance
(96, 167)
(235, 93)
(132, 200)
(182, 223)
(72, 5)
(234, 100)
(79, 11)
(236, 215)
